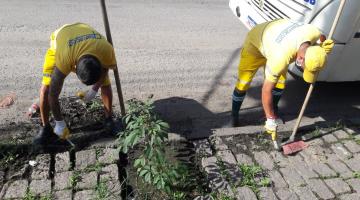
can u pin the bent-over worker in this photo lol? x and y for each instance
(275, 45)
(81, 49)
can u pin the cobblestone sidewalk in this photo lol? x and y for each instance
(328, 169)
(86, 174)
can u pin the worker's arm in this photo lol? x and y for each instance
(44, 104)
(267, 101)
(57, 81)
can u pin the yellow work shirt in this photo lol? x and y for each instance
(69, 43)
(278, 41)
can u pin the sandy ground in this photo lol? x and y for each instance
(184, 52)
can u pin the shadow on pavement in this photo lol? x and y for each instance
(330, 101)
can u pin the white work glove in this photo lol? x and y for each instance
(271, 128)
(90, 95)
(61, 130)
(270, 124)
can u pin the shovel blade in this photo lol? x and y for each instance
(294, 147)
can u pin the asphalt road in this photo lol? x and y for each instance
(184, 52)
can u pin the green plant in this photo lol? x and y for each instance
(29, 195)
(94, 105)
(145, 128)
(265, 182)
(252, 173)
(96, 167)
(356, 174)
(102, 191)
(178, 195)
(75, 178)
(357, 141)
(47, 197)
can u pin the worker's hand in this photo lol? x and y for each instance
(271, 127)
(90, 95)
(61, 130)
(327, 45)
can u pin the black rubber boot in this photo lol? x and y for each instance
(109, 126)
(46, 136)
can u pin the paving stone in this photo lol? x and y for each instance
(41, 170)
(277, 179)
(352, 146)
(354, 163)
(340, 151)
(341, 134)
(305, 171)
(264, 160)
(340, 168)
(279, 159)
(219, 144)
(337, 185)
(323, 170)
(62, 180)
(245, 193)
(241, 147)
(85, 194)
(266, 193)
(16, 189)
(39, 187)
(226, 156)
(315, 142)
(109, 156)
(305, 193)
(62, 162)
(202, 148)
(110, 172)
(292, 177)
(231, 166)
(329, 138)
(351, 130)
(207, 197)
(244, 159)
(216, 181)
(297, 163)
(315, 154)
(87, 181)
(320, 189)
(114, 188)
(62, 195)
(85, 158)
(295, 159)
(286, 194)
(353, 196)
(355, 184)
(2, 176)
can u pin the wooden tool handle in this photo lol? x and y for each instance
(312, 85)
(116, 72)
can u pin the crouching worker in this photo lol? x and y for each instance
(275, 45)
(81, 49)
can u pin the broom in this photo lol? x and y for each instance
(290, 147)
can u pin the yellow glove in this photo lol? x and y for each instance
(61, 130)
(327, 45)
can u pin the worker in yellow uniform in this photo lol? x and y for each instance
(81, 49)
(275, 45)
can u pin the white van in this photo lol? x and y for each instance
(344, 61)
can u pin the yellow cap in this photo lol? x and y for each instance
(315, 58)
